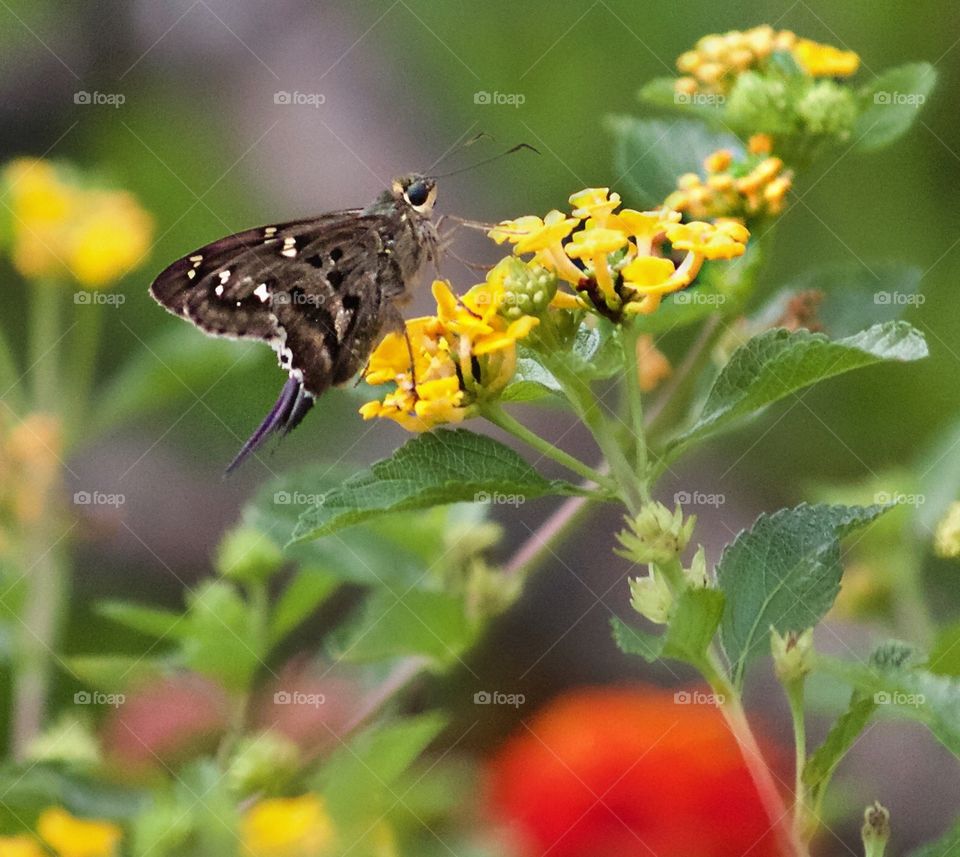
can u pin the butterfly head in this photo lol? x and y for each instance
(416, 191)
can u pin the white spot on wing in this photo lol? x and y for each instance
(218, 291)
(224, 276)
(262, 292)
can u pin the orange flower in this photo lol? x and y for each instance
(604, 771)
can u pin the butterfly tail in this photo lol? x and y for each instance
(290, 409)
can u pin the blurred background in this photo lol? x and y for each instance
(226, 115)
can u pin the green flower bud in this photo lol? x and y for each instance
(696, 574)
(760, 104)
(650, 596)
(792, 654)
(247, 555)
(828, 109)
(528, 288)
(263, 763)
(656, 535)
(876, 830)
(69, 741)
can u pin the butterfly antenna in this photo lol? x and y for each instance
(459, 147)
(490, 160)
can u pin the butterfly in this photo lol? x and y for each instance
(322, 292)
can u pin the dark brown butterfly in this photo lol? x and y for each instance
(321, 292)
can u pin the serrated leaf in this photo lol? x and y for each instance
(437, 468)
(433, 625)
(304, 594)
(779, 362)
(531, 382)
(891, 104)
(842, 736)
(651, 154)
(692, 627)
(784, 572)
(358, 781)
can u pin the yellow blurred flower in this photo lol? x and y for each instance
(653, 367)
(746, 188)
(715, 62)
(69, 836)
(613, 259)
(288, 827)
(20, 846)
(947, 539)
(464, 354)
(62, 227)
(30, 460)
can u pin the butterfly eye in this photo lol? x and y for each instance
(417, 193)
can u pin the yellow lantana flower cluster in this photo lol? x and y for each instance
(61, 226)
(443, 366)
(745, 188)
(616, 260)
(718, 59)
(288, 827)
(66, 835)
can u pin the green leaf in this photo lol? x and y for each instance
(947, 845)
(819, 769)
(939, 467)
(891, 103)
(113, 673)
(784, 572)
(532, 382)
(945, 656)
(415, 623)
(150, 621)
(437, 468)
(854, 295)
(174, 367)
(304, 594)
(779, 362)
(692, 627)
(651, 154)
(358, 781)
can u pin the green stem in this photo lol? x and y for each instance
(794, 690)
(45, 335)
(83, 363)
(631, 380)
(499, 417)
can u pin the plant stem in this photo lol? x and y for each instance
(45, 335)
(732, 710)
(794, 691)
(631, 380)
(499, 417)
(83, 363)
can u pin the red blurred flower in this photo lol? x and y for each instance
(620, 772)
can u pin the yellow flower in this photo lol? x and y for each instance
(30, 462)
(725, 239)
(594, 202)
(78, 837)
(288, 827)
(652, 364)
(544, 238)
(594, 244)
(820, 60)
(464, 354)
(20, 846)
(62, 227)
(947, 540)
